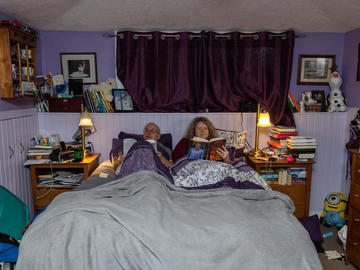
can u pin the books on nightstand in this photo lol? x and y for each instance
(302, 147)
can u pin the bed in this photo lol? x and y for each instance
(148, 217)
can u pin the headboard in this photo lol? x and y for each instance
(108, 125)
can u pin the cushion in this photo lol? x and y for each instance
(236, 139)
(165, 139)
(312, 225)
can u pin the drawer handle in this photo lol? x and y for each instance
(356, 195)
(356, 219)
(354, 244)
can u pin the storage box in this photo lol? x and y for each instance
(65, 104)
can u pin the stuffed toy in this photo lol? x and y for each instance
(336, 98)
(334, 210)
(307, 98)
(106, 87)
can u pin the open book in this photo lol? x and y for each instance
(127, 143)
(205, 149)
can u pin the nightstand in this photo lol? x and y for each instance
(300, 192)
(43, 195)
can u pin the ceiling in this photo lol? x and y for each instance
(220, 15)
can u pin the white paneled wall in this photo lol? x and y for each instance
(17, 128)
(330, 130)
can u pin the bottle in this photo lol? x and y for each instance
(328, 234)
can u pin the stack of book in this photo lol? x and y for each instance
(46, 179)
(95, 101)
(41, 153)
(302, 148)
(298, 175)
(278, 138)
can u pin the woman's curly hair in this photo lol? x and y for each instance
(190, 133)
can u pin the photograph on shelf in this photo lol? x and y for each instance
(122, 100)
(79, 66)
(319, 97)
(314, 69)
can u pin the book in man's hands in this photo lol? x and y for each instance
(200, 148)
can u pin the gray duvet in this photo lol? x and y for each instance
(142, 221)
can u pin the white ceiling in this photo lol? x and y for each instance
(243, 15)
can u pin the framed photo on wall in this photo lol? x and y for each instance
(122, 100)
(79, 66)
(314, 69)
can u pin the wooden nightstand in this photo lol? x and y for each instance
(43, 195)
(299, 193)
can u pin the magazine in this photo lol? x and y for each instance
(205, 149)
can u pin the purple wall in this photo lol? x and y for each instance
(52, 43)
(351, 87)
(315, 43)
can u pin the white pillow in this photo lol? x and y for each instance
(235, 139)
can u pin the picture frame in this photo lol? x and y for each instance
(122, 100)
(358, 66)
(319, 96)
(314, 69)
(79, 66)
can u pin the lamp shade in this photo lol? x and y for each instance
(85, 120)
(264, 120)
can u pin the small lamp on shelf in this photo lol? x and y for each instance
(262, 120)
(85, 121)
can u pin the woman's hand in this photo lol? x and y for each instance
(224, 153)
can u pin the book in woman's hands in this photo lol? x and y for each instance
(200, 148)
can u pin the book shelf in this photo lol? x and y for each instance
(298, 192)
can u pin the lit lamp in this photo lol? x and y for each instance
(262, 120)
(85, 121)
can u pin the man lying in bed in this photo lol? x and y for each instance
(151, 132)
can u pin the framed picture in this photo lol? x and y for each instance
(314, 69)
(358, 67)
(319, 97)
(79, 66)
(122, 100)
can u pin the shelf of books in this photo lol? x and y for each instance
(290, 178)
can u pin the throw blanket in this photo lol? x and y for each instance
(143, 221)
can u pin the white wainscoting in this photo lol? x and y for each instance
(17, 127)
(330, 130)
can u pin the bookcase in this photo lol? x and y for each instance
(299, 192)
(43, 195)
(17, 61)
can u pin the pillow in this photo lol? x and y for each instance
(234, 139)
(165, 139)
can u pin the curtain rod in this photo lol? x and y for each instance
(163, 36)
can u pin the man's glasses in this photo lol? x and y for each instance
(151, 130)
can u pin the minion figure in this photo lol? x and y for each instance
(334, 210)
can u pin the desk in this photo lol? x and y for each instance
(43, 195)
(299, 193)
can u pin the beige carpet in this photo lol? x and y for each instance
(333, 243)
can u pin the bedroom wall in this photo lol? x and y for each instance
(316, 43)
(351, 87)
(17, 104)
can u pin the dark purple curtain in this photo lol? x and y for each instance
(255, 67)
(162, 73)
(186, 72)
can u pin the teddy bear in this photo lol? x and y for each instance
(106, 87)
(336, 98)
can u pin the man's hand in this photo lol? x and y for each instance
(118, 161)
(163, 160)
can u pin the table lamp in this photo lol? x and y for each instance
(262, 120)
(85, 121)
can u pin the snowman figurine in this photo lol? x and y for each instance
(336, 98)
